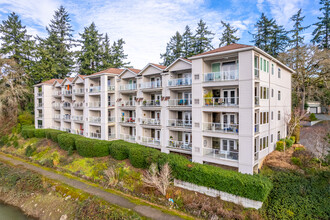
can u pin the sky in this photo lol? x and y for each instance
(147, 25)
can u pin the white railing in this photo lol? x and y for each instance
(220, 127)
(94, 89)
(40, 115)
(256, 128)
(79, 91)
(179, 145)
(130, 103)
(67, 92)
(151, 85)
(78, 105)
(66, 117)
(179, 123)
(256, 100)
(256, 73)
(57, 117)
(66, 105)
(78, 118)
(77, 131)
(256, 156)
(94, 104)
(150, 140)
(180, 82)
(126, 119)
(111, 119)
(221, 101)
(219, 154)
(67, 130)
(151, 103)
(127, 137)
(39, 94)
(40, 126)
(57, 93)
(111, 136)
(111, 104)
(56, 105)
(111, 87)
(39, 105)
(179, 102)
(221, 76)
(150, 121)
(127, 87)
(56, 128)
(95, 119)
(95, 135)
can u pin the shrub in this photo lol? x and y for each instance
(39, 133)
(304, 156)
(142, 157)
(280, 145)
(119, 149)
(299, 149)
(312, 117)
(67, 141)
(296, 161)
(293, 139)
(288, 142)
(27, 131)
(25, 118)
(30, 150)
(87, 147)
(4, 140)
(54, 134)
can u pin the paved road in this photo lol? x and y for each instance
(109, 197)
(323, 117)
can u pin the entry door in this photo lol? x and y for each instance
(187, 118)
(187, 138)
(157, 115)
(158, 82)
(188, 98)
(229, 97)
(228, 121)
(157, 135)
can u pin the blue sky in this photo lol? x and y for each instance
(147, 25)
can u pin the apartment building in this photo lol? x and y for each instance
(225, 107)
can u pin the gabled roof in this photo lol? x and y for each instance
(180, 58)
(50, 82)
(110, 70)
(132, 70)
(70, 79)
(223, 49)
(157, 66)
(79, 76)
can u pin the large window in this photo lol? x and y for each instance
(279, 73)
(279, 115)
(279, 95)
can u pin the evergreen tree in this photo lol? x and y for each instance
(188, 39)
(228, 36)
(279, 40)
(203, 38)
(322, 31)
(297, 39)
(118, 55)
(174, 49)
(107, 58)
(262, 38)
(90, 56)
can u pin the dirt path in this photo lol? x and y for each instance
(109, 197)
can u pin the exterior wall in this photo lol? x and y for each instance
(46, 118)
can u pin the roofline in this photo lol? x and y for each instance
(128, 70)
(100, 74)
(65, 79)
(180, 58)
(74, 79)
(241, 50)
(150, 64)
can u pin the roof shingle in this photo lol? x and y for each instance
(225, 48)
(110, 70)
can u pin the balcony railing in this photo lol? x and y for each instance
(127, 87)
(94, 89)
(111, 119)
(40, 115)
(221, 76)
(39, 105)
(256, 156)
(67, 92)
(56, 128)
(79, 91)
(256, 128)
(66, 130)
(150, 140)
(127, 137)
(57, 93)
(66, 105)
(151, 85)
(78, 118)
(39, 94)
(111, 104)
(256, 73)
(220, 127)
(40, 126)
(221, 101)
(57, 117)
(151, 103)
(179, 123)
(111, 87)
(219, 154)
(130, 103)
(111, 136)
(94, 104)
(179, 102)
(95, 119)
(180, 145)
(56, 105)
(95, 135)
(66, 117)
(256, 100)
(127, 120)
(150, 121)
(78, 105)
(77, 131)
(180, 82)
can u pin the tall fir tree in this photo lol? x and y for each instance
(203, 38)
(89, 58)
(118, 55)
(322, 31)
(188, 40)
(106, 57)
(297, 39)
(228, 35)
(174, 49)
(262, 38)
(279, 40)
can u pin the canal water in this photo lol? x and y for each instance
(12, 213)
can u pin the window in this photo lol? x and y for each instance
(260, 63)
(196, 76)
(260, 117)
(261, 97)
(272, 69)
(267, 141)
(272, 93)
(265, 93)
(279, 73)
(279, 95)
(279, 115)
(271, 138)
(272, 115)
(267, 117)
(278, 135)
(267, 66)
(256, 66)
(196, 101)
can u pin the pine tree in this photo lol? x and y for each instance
(107, 56)
(174, 49)
(90, 56)
(228, 36)
(262, 38)
(322, 31)
(279, 40)
(118, 55)
(297, 39)
(203, 38)
(188, 39)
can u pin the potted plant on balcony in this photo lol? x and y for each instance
(144, 102)
(208, 98)
(157, 102)
(171, 142)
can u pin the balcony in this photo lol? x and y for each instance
(39, 94)
(66, 130)
(66, 105)
(130, 103)
(94, 89)
(150, 140)
(111, 88)
(179, 123)
(39, 105)
(57, 117)
(67, 92)
(56, 128)
(94, 104)
(221, 127)
(57, 93)
(256, 101)
(79, 118)
(179, 102)
(150, 121)
(78, 105)
(256, 128)
(95, 135)
(130, 120)
(111, 119)
(180, 145)
(40, 126)
(127, 87)
(77, 131)
(95, 119)
(111, 137)
(221, 76)
(256, 73)
(111, 104)
(151, 85)
(151, 103)
(127, 137)
(221, 101)
(179, 82)
(256, 156)
(66, 117)
(80, 91)
(57, 105)
(219, 154)
(40, 116)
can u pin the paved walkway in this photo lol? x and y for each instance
(323, 117)
(143, 210)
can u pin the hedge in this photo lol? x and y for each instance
(39, 133)
(87, 147)
(54, 133)
(142, 157)
(119, 149)
(67, 141)
(280, 145)
(28, 132)
(293, 139)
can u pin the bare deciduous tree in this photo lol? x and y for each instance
(159, 180)
(293, 120)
